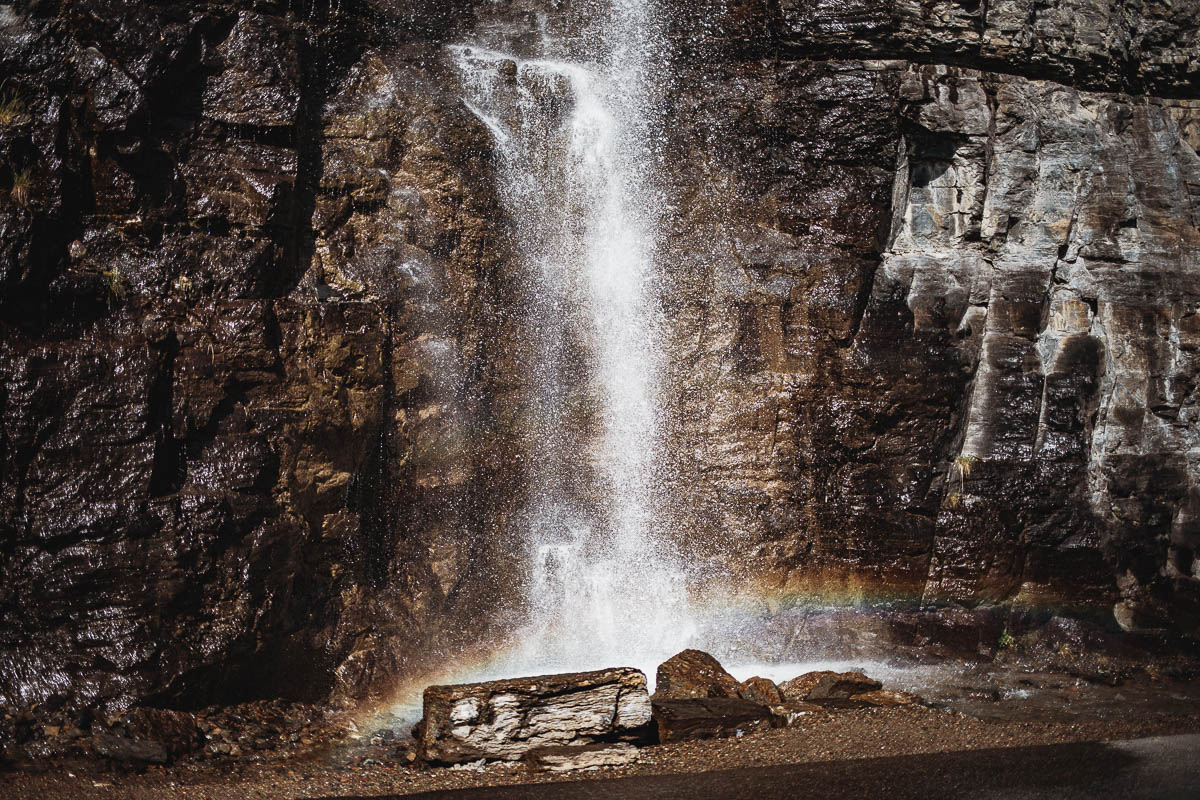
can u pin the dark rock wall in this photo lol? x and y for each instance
(248, 301)
(261, 397)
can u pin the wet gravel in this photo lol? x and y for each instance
(836, 735)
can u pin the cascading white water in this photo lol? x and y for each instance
(574, 149)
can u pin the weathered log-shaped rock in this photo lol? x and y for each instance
(826, 685)
(693, 673)
(710, 718)
(503, 720)
(588, 756)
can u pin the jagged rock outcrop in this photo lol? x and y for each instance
(930, 272)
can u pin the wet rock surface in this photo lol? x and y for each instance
(709, 718)
(693, 673)
(253, 732)
(931, 277)
(504, 720)
(817, 686)
(760, 690)
(226, 422)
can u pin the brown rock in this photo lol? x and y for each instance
(176, 730)
(709, 718)
(760, 690)
(122, 748)
(826, 685)
(694, 673)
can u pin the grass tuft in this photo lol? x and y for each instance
(22, 186)
(12, 105)
(114, 283)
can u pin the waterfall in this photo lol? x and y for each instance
(573, 139)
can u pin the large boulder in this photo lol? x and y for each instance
(503, 720)
(824, 686)
(691, 674)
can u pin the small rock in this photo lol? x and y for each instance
(693, 673)
(793, 712)
(120, 748)
(178, 731)
(760, 690)
(825, 685)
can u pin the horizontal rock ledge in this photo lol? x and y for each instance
(505, 719)
(589, 756)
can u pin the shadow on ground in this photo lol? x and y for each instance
(1161, 768)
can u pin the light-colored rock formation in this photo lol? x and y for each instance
(588, 756)
(503, 720)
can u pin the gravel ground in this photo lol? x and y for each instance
(837, 735)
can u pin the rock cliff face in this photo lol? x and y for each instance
(932, 271)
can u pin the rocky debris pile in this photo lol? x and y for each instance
(504, 720)
(258, 731)
(699, 699)
(597, 719)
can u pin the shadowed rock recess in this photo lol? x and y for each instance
(931, 273)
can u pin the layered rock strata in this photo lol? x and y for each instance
(505, 720)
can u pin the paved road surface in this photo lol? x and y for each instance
(1161, 768)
